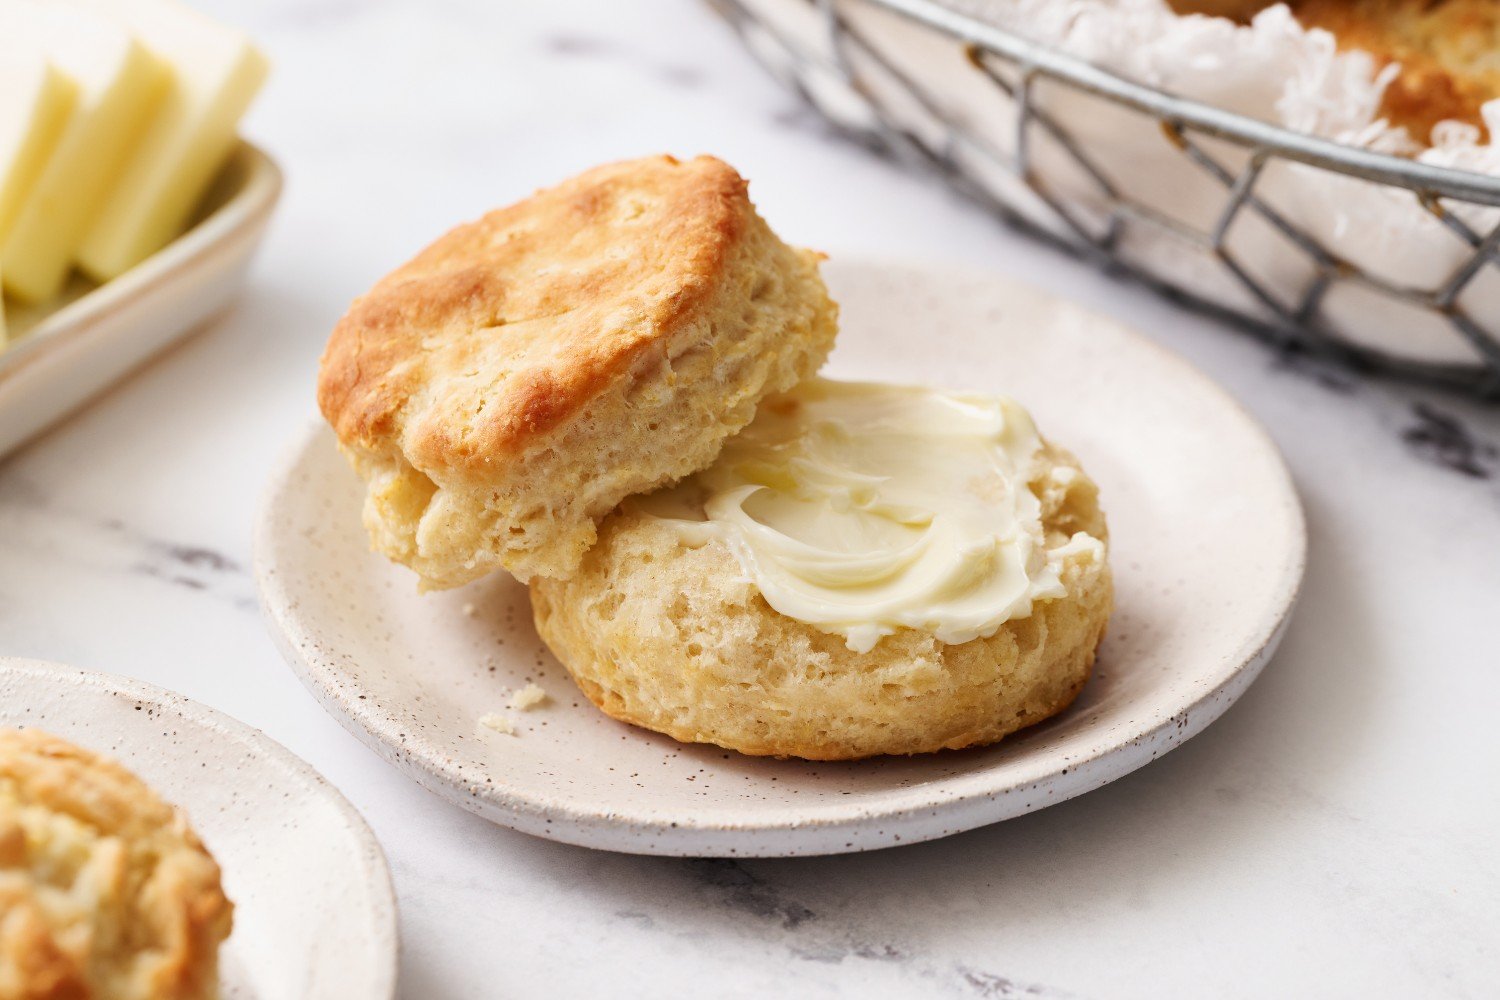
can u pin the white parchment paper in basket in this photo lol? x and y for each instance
(1272, 70)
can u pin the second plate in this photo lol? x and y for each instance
(314, 913)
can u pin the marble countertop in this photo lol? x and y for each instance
(1333, 835)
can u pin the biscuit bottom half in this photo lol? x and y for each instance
(672, 637)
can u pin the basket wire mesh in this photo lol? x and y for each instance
(1197, 131)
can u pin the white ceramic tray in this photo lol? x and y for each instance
(314, 917)
(62, 355)
(1207, 545)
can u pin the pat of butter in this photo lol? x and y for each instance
(36, 101)
(862, 508)
(120, 83)
(217, 72)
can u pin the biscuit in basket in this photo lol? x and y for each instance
(505, 389)
(105, 891)
(1449, 53)
(1446, 51)
(668, 631)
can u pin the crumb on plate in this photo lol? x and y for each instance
(528, 697)
(497, 722)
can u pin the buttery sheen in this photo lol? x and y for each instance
(861, 508)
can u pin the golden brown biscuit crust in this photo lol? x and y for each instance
(105, 891)
(555, 297)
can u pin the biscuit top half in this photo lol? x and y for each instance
(507, 326)
(507, 387)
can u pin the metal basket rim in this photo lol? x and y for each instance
(1383, 168)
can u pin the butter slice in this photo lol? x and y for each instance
(861, 509)
(217, 71)
(36, 101)
(120, 83)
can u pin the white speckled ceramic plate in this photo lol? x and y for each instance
(314, 917)
(1207, 547)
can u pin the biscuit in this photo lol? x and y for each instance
(506, 388)
(1446, 51)
(675, 639)
(105, 891)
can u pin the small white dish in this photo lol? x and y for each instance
(314, 913)
(1207, 546)
(65, 352)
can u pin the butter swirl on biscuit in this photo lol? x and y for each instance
(861, 508)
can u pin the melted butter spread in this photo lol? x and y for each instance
(861, 508)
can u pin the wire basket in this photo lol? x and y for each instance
(883, 71)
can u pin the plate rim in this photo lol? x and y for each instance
(902, 811)
(375, 871)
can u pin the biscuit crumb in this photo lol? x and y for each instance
(498, 722)
(527, 698)
(469, 610)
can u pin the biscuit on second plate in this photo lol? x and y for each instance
(505, 389)
(105, 891)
